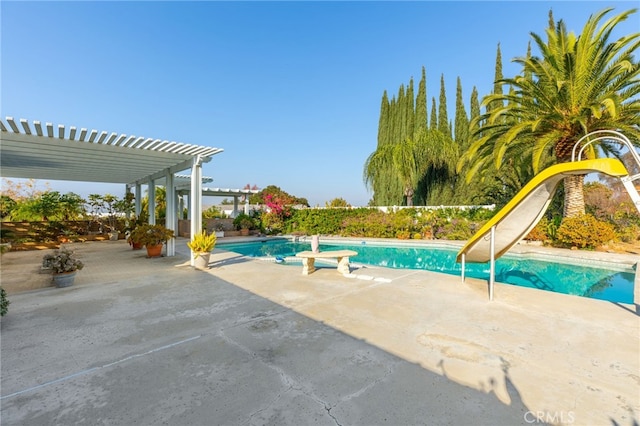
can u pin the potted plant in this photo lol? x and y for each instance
(244, 223)
(201, 245)
(219, 232)
(131, 227)
(63, 265)
(152, 237)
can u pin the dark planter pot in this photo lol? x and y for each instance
(154, 251)
(64, 279)
(136, 246)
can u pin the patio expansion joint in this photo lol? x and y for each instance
(94, 369)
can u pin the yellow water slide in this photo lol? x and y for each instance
(515, 220)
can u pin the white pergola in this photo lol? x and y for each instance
(224, 192)
(53, 152)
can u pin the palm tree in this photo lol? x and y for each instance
(579, 84)
(410, 159)
(160, 201)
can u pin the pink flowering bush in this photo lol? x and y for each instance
(273, 220)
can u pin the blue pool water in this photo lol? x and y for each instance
(615, 285)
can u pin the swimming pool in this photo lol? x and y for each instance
(613, 283)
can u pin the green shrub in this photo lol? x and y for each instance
(213, 212)
(629, 233)
(454, 229)
(371, 224)
(324, 221)
(552, 227)
(584, 232)
(272, 224)
(4, 302)
(627, 226)
(448, 223)
(243, 221)
(405, 220)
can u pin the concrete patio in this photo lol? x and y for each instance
(153, 341)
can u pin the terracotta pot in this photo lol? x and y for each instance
(136, 245)
(244, 232)
(154, 251)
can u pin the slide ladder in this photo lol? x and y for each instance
(612, 135)
(521, 214)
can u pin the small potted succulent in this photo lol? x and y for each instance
(201, 245)
(152, 237)
(219, 230)
(63, 265)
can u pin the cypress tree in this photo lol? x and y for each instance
(497, 86)
(383, 121)
(384, 127)
(474, 113)
(461, 130)
(474, 105)
(421, 106)
(427, 145)
(392, 187)
(393, 120)
(409, 111)
(401, 118)
(434, 117)
(443, 119)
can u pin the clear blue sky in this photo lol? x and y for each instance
(290, 90)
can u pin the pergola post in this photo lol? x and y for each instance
(170, 215)
(195, 199)
(152, 202)
(180, 206)
(138, 200)
(235, 206)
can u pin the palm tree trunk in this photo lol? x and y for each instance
(573, 196)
